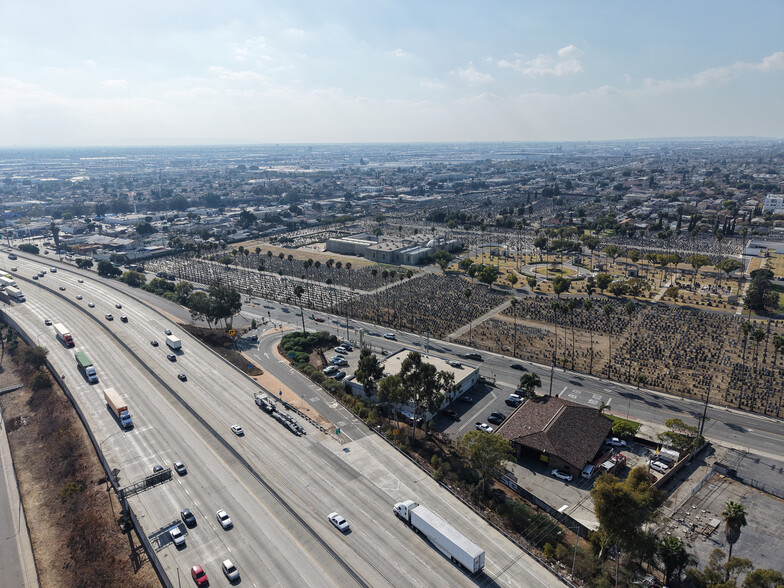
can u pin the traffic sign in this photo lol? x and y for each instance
(232, 332)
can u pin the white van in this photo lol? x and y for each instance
(589, 471)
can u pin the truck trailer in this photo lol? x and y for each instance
(14, 293)
(446, 538)
(173, 342)
(64, 335)
(86, 367)
(119, 408)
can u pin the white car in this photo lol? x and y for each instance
(455, 364)
(176, 536)
(561, 475)
(78, 296)
(223, 519)
(230, 571)
(340, 523)
(615, 442)
(341, 350)
(91, 304)
(483, 427)
(390, 336)
(237, 430)
(659, 466)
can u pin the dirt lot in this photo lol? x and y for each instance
(72, 519)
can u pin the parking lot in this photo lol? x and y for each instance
(485, 399)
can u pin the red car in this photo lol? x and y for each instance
(318, 319)
(199, 576)
(450, 413)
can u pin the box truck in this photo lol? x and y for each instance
(64, 335)
(446, 538)
(173, 342)
(14, 294)
(86, 367)
(119, 408)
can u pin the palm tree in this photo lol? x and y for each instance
(467, 294)
(629, 310)
(673, 555)
(608, 310)
(530, 382)
(588, 307)
(734, 515)
(571, 306)
(778, 344)
(745, 327)
(298, 292)
(555, 306)
(513, 302)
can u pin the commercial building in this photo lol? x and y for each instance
(562, 433)
(390, 251)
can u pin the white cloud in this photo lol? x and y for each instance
(472, 76)
(115, 83)
(249, 48)
(397, 53)
(717, 75)
(565, 62)
(433, 84)
(293, 32)
(226, 74)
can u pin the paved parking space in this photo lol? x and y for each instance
(486, 398)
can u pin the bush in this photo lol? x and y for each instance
(561, 552)
(29, 248)
(70, 488)
(40, 381)
(549, 551)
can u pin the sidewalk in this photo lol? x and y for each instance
(13, 525)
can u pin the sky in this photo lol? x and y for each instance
(177, 72)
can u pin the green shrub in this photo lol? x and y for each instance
(549, 551)
(70, 488)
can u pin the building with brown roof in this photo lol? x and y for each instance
(564, 434)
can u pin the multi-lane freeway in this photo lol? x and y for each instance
(276, 487)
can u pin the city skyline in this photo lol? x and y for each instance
(88, 74)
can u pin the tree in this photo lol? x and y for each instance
(635, 498)
(134, 279)
(465, 263)
(728, 265)
(390, 389)
(183, 290)
(29, 248)
(531, 281)
(487, 453)
(623, 429)
(226, 302)
(734, 516)
(602, 281)
(424, 385)
(561, 285)
(108, 269)
(760, 295)
(246, 220)
(672, 553)
(697, 261)
(488, 274)
(530, 382)
(443, 259)
(84, 262)
(145, 228)
(764, 579)
(298, 292)
(55, 235)
(369, 371)
(619, 288)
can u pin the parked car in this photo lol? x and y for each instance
(318, 319)
(187, 517)
(658, 465)
(339, 360)
(330, 369)
(230, 571)
(340, 523)
(450, 413)
(615, 442)
(496, 418)
(466, 399)
(341, 350)
(483, 427)
(224, 519)
(519, 366)
(514, 400)
(347, 345)
(237, 430)
(561, 475)
(390, 336)
(340, 375)
(199, 576)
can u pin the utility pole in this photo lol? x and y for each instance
(552, 372)
(705, 408)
